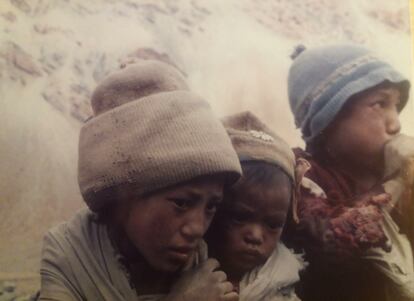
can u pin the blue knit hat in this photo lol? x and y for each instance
(321, 80)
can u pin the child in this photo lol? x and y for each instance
(153, 163)
(245, 234)
(346, 102)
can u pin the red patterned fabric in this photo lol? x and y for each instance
(344, 223)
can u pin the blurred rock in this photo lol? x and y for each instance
(54, 97)
(22, 5)
(100, 71)
(394, 19)
(78, 67)
(23, 60)
(9, 286)
(80, 108)
(9, 16)
(147, 54)
(51, 61)
(299, 19)
(8, 292)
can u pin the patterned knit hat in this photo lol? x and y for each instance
(254, 141)
(321, 80)
(149, 131)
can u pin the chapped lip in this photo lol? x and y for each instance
(182, 253)
(182, 249)
(251, 254)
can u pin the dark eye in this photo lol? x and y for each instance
(275, 225)
(212, 207)
(239, 217)
(381, 103)
(181, 204)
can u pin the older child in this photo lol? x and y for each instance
(346, 102)
(244, 236)
(153, 162)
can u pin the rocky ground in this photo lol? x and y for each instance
(8, 293)
(235, 53)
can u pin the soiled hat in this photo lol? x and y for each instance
(151, 132)
(254, 141)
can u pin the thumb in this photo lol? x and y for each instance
(382, 199)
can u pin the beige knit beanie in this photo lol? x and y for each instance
(253, 140)
(148, 130)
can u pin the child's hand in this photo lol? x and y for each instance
(381, 200)
(313, 188)
(399, 153)
(204, 282)
(399, 174)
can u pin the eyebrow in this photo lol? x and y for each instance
(386, 92)
(277, 216)
(195, 195)
(239, 206)
(216, 198)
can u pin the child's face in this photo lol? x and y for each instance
(364, 125)
(250, 225)
(167, 226)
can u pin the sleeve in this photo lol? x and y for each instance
(396, 265)
(57, 280)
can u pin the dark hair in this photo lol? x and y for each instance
(110, 200)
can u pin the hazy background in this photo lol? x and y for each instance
(235, 53)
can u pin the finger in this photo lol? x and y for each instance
(381, 199)
(233, 296)
(220, 276)
(210, 264)
(226, 287)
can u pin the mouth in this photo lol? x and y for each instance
(180, 254)
(251, 256)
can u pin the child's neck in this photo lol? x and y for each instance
(365, 176)
(233, 276)
(145, 279)
(148, 281)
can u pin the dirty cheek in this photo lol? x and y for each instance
(161, 227)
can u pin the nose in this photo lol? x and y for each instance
(393, 123)
(195, 225)
(254, 234)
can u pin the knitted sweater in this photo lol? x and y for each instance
(355, 251)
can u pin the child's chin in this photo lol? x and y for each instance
(168, 266)
(247, 266)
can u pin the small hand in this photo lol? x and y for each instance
(205, 283)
